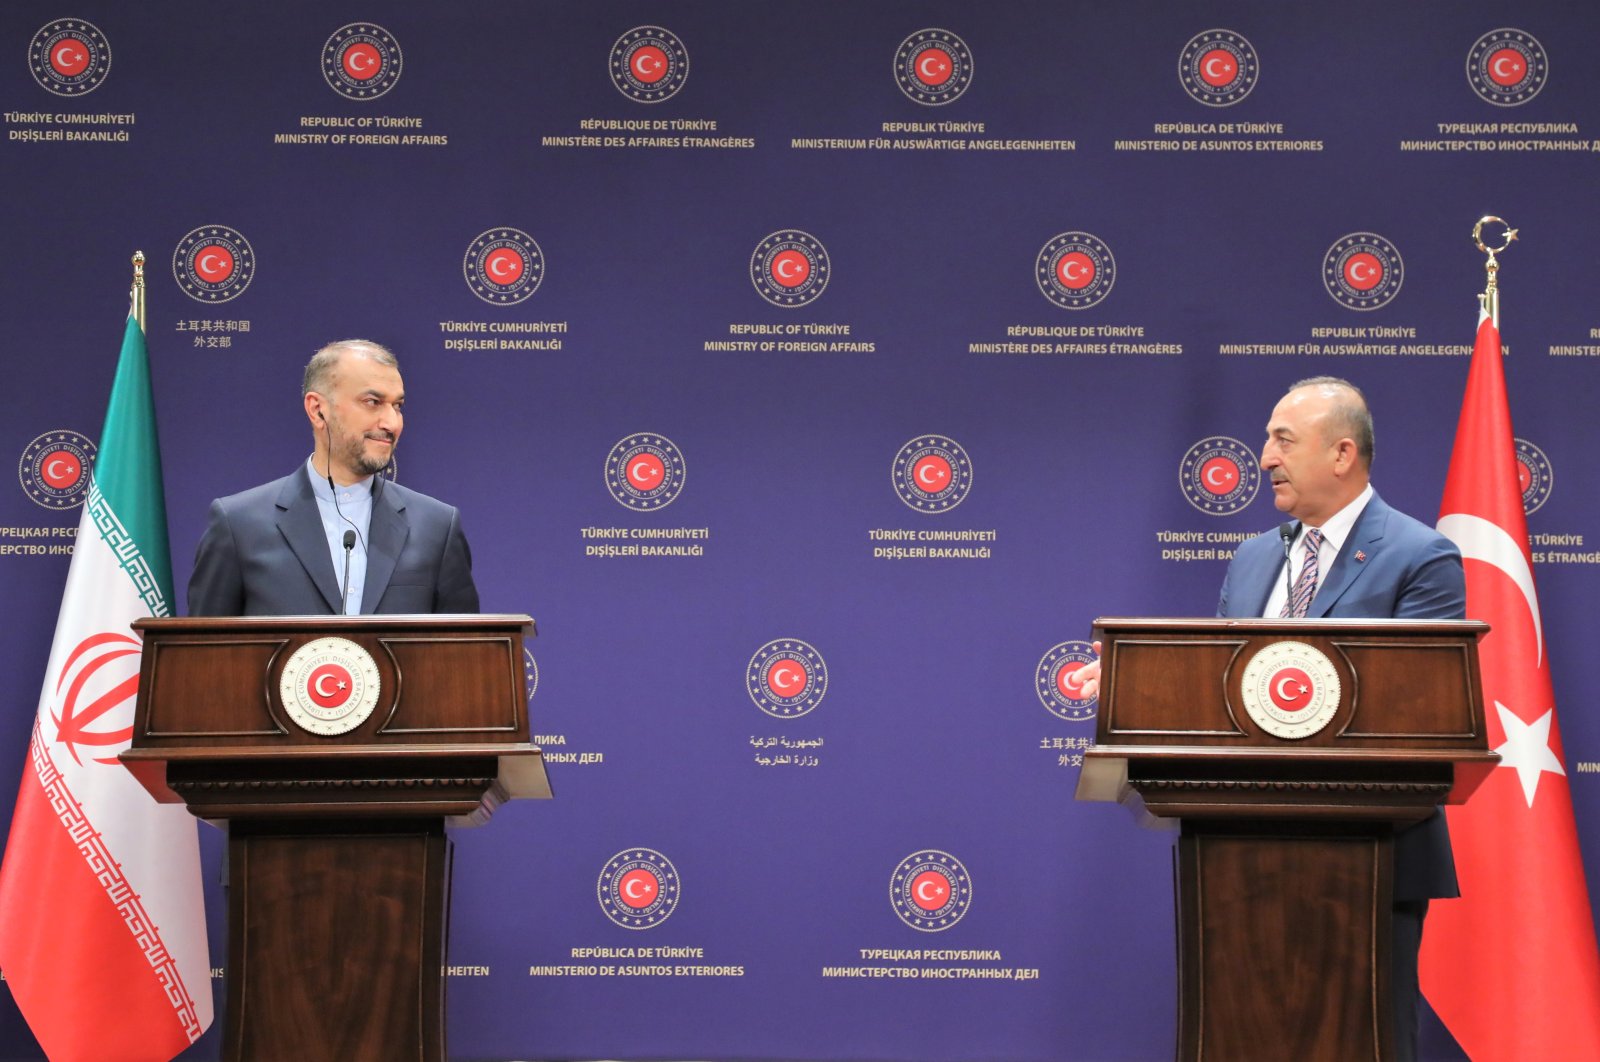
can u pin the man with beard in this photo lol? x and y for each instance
(281, 549)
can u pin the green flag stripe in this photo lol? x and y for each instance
(127, 469)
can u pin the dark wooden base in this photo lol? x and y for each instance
(336, 940)
(1284, 941)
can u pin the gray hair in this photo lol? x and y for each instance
(1349, 415)
(319, 370)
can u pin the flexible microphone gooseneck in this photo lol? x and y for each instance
(351, 535)
(1286, 532)
(344, 583)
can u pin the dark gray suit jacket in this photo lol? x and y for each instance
(1391, 566)
(264, 553)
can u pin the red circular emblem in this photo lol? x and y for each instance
(649, 64)
(1507, 66)
(930, 890)
(329, 685)
(1363, 271)
(638, 889)
(790, 268)
(785, 678)
(1218, 67)
(1220, 475)
(362, 61)
(932, 473)
(1075, 270)
(1290, 689)
(646, 471)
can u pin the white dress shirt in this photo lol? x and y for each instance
(1334, 534)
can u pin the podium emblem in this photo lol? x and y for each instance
(1291, 690)
(329, 686)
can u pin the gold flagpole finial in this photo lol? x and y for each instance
(138, 288)
(1490, 299)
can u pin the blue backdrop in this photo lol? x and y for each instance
(814, 373)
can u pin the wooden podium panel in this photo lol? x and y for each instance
(1285, 858)
(338, 862)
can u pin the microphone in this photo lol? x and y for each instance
(344, 583)
(1286, 532)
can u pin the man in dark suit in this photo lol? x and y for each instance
(333, 536)
(1349, 555)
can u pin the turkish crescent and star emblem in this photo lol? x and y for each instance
(1291, 690)
(1507, 67)
(1075, 270)
(790, 268)
(55, 469)
(329, 686)
(213, 263)
(933, 67)
(930, 890)
(361, 61)
(1362, 271)
(503, 266)
(638, 888)
(1218, 68)
(786, 678)
(69, 57)
(1219, 475)
(645, 471)
(649, 64)
(1060, 686)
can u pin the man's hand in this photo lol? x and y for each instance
(1088, 676)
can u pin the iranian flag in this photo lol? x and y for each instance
(102, 922)
(1511, 966)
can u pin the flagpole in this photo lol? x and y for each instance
(1490, 299)
(137, 295)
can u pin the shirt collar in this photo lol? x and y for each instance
(1337, 527)
(361, 488)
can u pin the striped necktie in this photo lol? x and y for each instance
(1305, 587)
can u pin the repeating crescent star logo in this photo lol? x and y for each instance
(645, 471)
(933, 67)
(1290, 689)
(530, 669)
(1075, 270)
(329, 686)
(649, 64)
(1219, 475)
(1362, 271)
(786, 678)
(98, 684)
(1535, 475)
(1507, 67)
(361, 61)
(790, 268)
(213, 264)
(503, 266)
(1218, 68)
(930, 890)
(638, 888)
(55, 469)
(932, 473)
(69, 57)
(1056, 682)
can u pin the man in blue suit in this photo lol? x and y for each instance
(334, 536)
(1348, 554)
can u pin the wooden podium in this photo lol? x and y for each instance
(338, 864)
(1290, 751)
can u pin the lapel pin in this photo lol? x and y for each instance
(1360, 556)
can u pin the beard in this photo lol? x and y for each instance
(352, 448)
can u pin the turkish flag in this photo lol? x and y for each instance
(1511, 967)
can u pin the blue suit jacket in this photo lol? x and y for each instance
(1391, 566)
(264, 553)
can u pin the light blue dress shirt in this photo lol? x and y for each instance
(354, 510)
